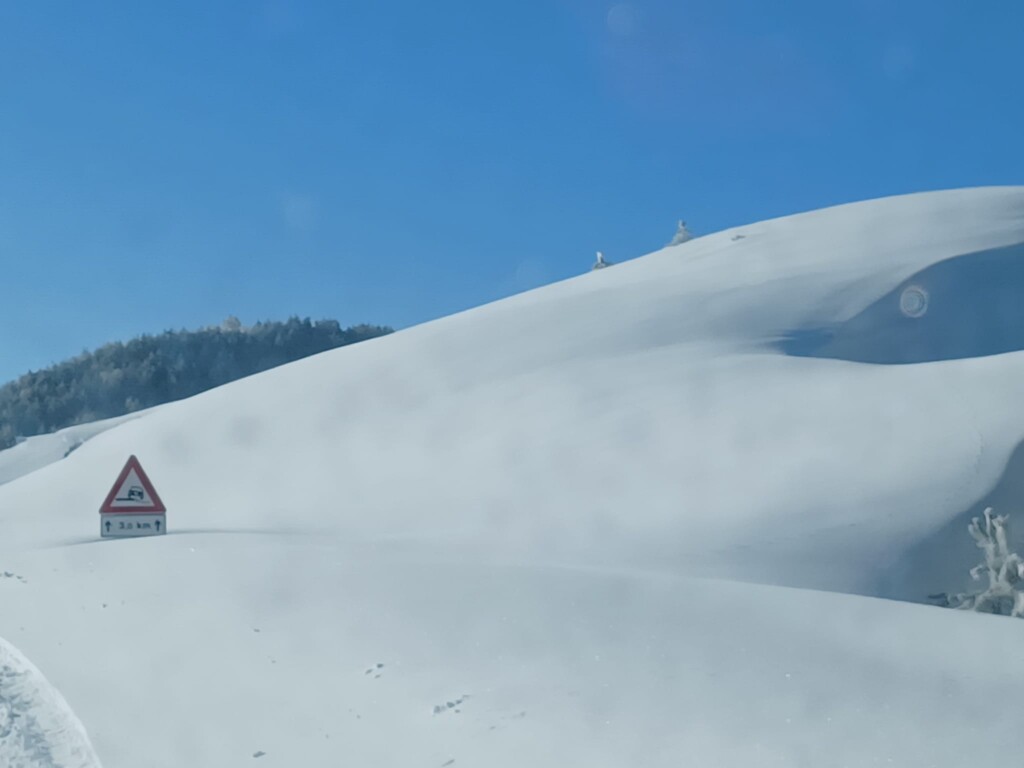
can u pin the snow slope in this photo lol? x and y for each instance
(38, 451)
(600, 523)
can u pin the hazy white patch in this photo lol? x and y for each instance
(300, 212)
(623, 20)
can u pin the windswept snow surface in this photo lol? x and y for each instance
(37, 728)
(603, 523)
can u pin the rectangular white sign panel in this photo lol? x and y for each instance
(129, 524)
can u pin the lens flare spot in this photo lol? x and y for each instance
(914, 301)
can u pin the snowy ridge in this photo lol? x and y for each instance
(565, 528)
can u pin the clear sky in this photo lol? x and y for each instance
(164, 165)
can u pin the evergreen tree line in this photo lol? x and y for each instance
(120, 378)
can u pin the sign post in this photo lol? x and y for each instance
(133, 507)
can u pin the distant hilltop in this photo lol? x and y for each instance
(120, 378)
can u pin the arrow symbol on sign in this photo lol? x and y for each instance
(158, 525)
(108, 526)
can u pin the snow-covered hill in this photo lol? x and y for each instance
(39, 451)
(602, 523)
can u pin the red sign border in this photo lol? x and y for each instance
(158, 507)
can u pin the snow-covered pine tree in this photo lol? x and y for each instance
(232, 324)
(682, 234)
(600, 263)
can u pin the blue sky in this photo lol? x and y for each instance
(164, 165)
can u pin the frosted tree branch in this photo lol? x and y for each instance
(1001, 570)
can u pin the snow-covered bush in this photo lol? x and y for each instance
(682, 234)
(1002, 570)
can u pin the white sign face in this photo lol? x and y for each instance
(132, 494)
(127, 524)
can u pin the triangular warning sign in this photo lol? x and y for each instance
(133, 492)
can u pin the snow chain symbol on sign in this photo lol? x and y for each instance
(133, 507)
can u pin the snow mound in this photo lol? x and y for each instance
(37, 727)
